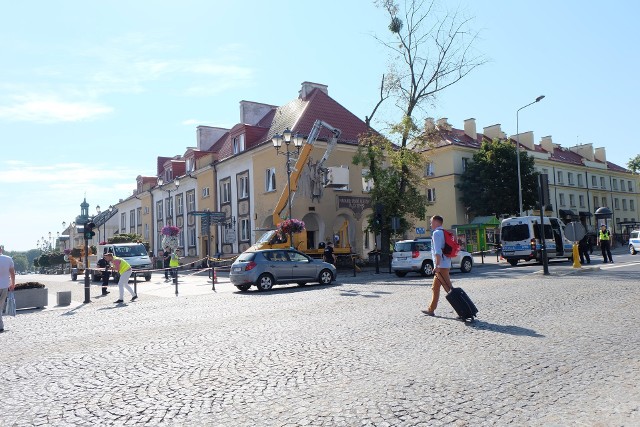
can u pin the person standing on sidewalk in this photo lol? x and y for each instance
(166, 260)
(7, 280)
(442, 264)
(104, 264)
(584, 248)
(124, 269)
(174, 262)
(604, 238)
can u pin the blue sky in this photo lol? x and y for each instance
(91, 93)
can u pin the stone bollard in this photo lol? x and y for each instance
(63, 298)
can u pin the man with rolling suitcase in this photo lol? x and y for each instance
(441, 246)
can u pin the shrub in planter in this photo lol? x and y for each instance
(31, 294)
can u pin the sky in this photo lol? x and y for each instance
(92, 93)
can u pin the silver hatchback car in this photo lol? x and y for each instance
(415, 256)
(267, 267)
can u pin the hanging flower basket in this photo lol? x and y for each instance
(170, 242)
(170, 230)
(291, 226)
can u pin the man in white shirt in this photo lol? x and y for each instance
(7, 280)
(441, 264)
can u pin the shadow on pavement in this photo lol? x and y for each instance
(73, 310)
(504, 329)
(287, 289)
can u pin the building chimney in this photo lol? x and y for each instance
(308, 87)
(547, 144)
(525, 139)
(429, 124)
(443, 124)
(585, 150)
(252, 112)
(208, 135)
(493, 131)
(470, 128)
(600, 154)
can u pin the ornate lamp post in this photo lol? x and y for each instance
(84, 220)
(298, 140)
(538, 99)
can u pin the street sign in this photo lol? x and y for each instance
(230, 235)
(214, 217)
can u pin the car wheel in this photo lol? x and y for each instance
(265, 282)
(632, 250)
(466, 265)
(427, 268)
(325, 277)
(243, 288)
(147, 277)
(400, 273)
(513, 262)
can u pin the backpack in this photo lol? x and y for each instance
(451, 246)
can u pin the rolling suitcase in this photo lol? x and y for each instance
(462, 304)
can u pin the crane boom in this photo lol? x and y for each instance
(305, 153)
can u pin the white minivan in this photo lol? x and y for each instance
(634, 242)
(520, 239)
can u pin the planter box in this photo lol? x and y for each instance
(31, 298)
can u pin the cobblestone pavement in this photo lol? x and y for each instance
(545, 351)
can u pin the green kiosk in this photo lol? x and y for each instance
(481, 234)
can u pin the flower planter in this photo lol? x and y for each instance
(31, 298)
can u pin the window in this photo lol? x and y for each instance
(562, 202)
(624, 204)
(545, 171)
(168, 202)
(595, 202)
(238, 144)
(581, 199)
(560, 178)
(179, 204)
(431, 195)
(570, 178)
(465, 163)
(191, 233)
(615, 184)
(132, 219)
(602, 182)
(245, 233)
(139, 214)
(594, 181)
(367, 183)
(430, 170)
(225, 191)
(630, 186)
(616, 204)
(146, 232)
(159, 210)
(572, 200)
(205, 192)
(190, 165)
(270, 180)
(123, 222)
(146, 210)
(580, 183)
(632, 205)
(191, 201)
(604, 201)
(243, 188)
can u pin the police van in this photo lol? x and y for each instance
(520, 239)
(634, 242)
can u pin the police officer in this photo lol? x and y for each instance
(604, 238)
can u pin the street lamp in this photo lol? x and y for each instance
(99, 236)
(538, 99)
(298, 140)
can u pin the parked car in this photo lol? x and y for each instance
(415, 256)
(267, 267)
(634, 242)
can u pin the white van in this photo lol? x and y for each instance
(520, 239)
(134, 253)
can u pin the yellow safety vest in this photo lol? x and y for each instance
(174, 261)
(604, 235)
(124, 265)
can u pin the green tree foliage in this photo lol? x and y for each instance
(20, 263)
(489, 185)
(634, 164)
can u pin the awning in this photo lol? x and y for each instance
(585, 214)
(566, 213)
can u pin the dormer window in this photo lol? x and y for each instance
(190, 165)
(238, 144)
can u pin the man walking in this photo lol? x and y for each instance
(442, 264)
(104, 264)
(604, 238)
(7, 280)
(124, 269)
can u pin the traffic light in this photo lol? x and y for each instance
(88, 230)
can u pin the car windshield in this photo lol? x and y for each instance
(129, 251)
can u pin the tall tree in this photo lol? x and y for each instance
(634, 164)
(431, 49)
(489, 185)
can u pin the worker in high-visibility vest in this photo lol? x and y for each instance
(604, 240)
(174, 263)
(124, 270)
